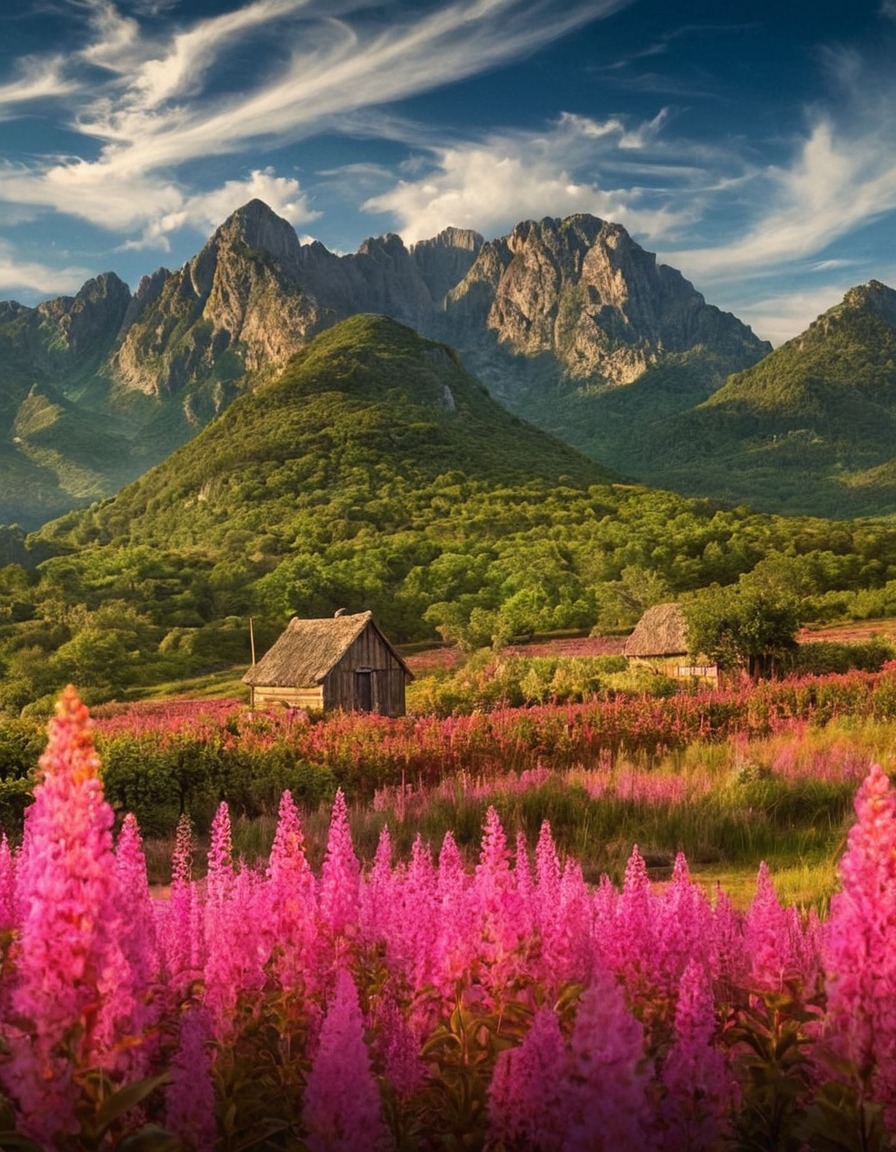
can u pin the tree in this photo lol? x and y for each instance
(741, 626)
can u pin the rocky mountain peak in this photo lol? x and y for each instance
(873, 297)
(580, 294)
(242, 289)
(86, 324)
(260, 228)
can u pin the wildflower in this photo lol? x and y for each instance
(526, 1106)
(698, 1083)
(342, 1105)
(180, 934)
(339, 890)
(290, 899)
(773, 938)
(189, 1097)
(860, 962)
(68, 957)
(605, 1099)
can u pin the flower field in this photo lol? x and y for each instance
(413, 1002)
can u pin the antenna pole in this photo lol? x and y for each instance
(252, 640)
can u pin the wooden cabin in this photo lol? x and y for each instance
(660, 642)
(342, 661)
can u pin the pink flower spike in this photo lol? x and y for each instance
(69, 953)
(860, 960)
(605, 1100)
(8, 915)
(526, 1093)
(699, 1085)
(342, 1103)
(340, 877)
(189, 1097)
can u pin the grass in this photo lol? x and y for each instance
(727, 807)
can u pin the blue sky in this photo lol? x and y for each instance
(752, 145)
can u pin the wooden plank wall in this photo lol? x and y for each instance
(367, 653)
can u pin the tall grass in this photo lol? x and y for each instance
(728, 805)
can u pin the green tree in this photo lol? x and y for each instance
(741, 626)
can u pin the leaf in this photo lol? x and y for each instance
(126, 1098)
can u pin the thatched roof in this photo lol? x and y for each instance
(308, 649)
(661, 631)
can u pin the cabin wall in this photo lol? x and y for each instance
(678, 667)
(368, 678)
(265, 696)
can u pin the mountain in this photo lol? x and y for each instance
(549, 317)
(574, 307)
(810, 428)
(368, 416)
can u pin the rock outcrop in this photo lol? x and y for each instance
(581, 293)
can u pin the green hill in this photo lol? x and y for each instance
(368, 419)
(810, 429)
(374, 472)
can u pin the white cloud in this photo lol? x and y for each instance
(841, 177)
(161, 110)
(207, 210)
(836, 184)
(779, 317)
(38, 79)
(18, 275)
(492, 184)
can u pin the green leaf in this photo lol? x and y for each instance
(126, 1098)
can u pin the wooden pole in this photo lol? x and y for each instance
(252, 640)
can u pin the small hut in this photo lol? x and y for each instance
(343, 661)
(660, 642)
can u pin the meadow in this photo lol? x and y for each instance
(488, 994)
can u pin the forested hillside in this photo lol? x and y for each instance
(810, 428)
(376, 473)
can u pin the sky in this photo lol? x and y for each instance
(749, 143)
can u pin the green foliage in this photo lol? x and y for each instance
(808, 429)
(349, 482)
(823, 656)
(771, 1039)
(741, 626)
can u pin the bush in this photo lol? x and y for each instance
(818, 658)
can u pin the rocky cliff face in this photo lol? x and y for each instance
(583, 295)
(238, 305)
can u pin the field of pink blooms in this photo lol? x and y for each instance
(414, 1003)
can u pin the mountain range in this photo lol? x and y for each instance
(96, 388)
(569, 324)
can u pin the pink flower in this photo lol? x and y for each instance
(698, 1082)
(8, 909)
(773, 938)
(526, 1104)
(180, 928)
(342, 1104)
(189, 1097)
(605, 1101)
(860, 959)
(501, 921)
(683, 926)
(339, 890)
(291, 900)
(68, 956)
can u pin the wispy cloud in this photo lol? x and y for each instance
(841, 177)
(578, 164)
(17, 275)
(163, 106)
(37, 79)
